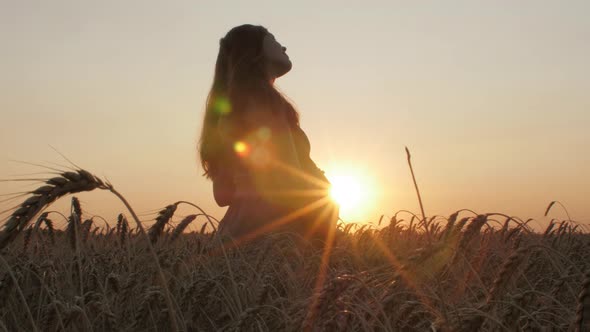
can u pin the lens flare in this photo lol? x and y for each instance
(263, 133)
(242, 149)
(222, 105)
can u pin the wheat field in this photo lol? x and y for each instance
(465, 272)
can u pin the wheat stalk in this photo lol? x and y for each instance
(27, 238)
(67, 183)
(86, 228)
(182, 225)
(331, 290)
(508, 268)
(48, 224)
(416, 185)
(122, 228)
(162, 220)
(583, 310)
(19, 292)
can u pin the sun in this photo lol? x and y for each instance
(346, 190)
(351, 191)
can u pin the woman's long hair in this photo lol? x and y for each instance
(239, 77)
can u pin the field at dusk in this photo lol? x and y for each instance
(464, 272)
(450, 137)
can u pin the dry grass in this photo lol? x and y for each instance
(444, 274)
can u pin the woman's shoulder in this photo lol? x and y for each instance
(254, 112)
(250, 115)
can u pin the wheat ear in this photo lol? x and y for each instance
(67, 183)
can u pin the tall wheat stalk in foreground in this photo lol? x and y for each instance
(42, 197)
(423, 221)
(69, 183)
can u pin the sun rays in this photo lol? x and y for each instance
(317, 218)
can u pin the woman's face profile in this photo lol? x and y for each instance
(278, 61)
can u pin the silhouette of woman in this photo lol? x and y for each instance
(253, 149)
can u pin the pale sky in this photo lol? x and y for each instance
(491, 97)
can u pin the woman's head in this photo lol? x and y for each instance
(250, 53)
(277, 60)
(249, 60)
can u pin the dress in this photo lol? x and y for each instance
(267, 199)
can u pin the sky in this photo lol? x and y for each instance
(491, 98)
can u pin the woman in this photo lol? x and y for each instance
(253, 149)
